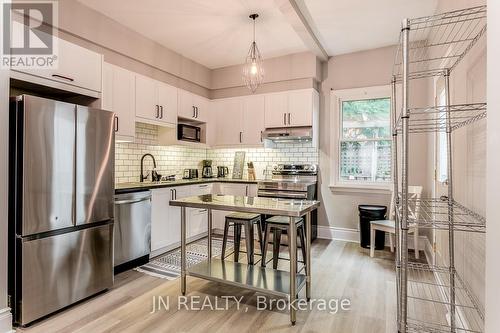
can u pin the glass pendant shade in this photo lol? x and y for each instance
(253, 72)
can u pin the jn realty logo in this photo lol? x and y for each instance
(29, 35)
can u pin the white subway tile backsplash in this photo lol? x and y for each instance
(174, 159)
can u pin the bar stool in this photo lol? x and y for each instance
(237, 220)
(277, 224)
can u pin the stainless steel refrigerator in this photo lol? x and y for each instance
(61, 185)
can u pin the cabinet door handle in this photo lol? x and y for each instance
(175, 193)
(260, 136)
(289, 119)
(116, 124)
(161, 111)
(246, 191)
(194, 111)
(63, 77)
(241, 134)
(284, 118)
(157, 108)
(171, 194)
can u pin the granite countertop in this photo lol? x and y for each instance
(259, 205)
(137, 186)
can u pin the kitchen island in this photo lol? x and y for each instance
(270, 281)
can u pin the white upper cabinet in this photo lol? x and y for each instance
(293, 108)
(79, 70)
(146, 103)
(253, 119)
(155, 101)
(229, 116)
(239, 120)
(118, 95)
(276, 106)
(300, 107)
(167, 100)
(192, 106)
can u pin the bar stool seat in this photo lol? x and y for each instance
(277, 224)
(247, 220)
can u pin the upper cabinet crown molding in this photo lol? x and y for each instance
(79, 70)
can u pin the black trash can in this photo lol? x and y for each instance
(369, 213)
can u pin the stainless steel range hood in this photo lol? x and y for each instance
(289, 134)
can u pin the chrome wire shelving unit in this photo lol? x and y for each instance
(438, 43)
(431, 298)
(434, 214)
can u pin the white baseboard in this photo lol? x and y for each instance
(6, 321)
(352, 235)
(335, 233)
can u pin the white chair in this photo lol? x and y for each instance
(389, 226)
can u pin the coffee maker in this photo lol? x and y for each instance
(207, 169)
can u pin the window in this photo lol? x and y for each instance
(364, 143)
(442, 144)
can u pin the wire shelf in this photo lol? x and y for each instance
(428, 293)
(440, 42)
(434, 214)
(434, 119)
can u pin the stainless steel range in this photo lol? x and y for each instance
(292, 181)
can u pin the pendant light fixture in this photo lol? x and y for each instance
(253, 72)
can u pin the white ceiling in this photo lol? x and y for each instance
(214, 33)
(217, 33)
(344, 26)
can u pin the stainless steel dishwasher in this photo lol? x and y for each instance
(132, 228)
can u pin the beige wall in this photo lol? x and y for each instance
(124, 47)
(293, 71)
(492, 291)
(357, 70)
(467, 85)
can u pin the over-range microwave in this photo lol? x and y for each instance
(188, 133)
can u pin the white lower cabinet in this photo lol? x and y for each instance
(219, 216)
(164, 229)
(198, 218)
(166, 219)
(197, 222)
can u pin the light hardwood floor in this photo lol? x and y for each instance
(339, 270)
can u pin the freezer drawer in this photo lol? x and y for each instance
(59, 270)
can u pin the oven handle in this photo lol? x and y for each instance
(281, 195)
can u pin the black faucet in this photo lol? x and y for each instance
(142, 177)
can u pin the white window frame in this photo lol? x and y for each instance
(336, 99)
